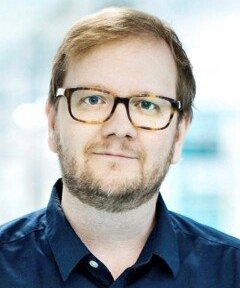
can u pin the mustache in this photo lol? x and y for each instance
(122, 147)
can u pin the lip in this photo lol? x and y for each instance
(116, 155)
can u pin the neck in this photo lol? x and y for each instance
(116, 239)
(93, 225)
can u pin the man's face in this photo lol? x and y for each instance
(89, 157)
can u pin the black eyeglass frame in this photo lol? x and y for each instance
(67, 92)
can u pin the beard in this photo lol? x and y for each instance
(115, 197)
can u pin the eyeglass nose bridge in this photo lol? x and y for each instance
(125, 102)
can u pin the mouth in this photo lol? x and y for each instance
(115, 155)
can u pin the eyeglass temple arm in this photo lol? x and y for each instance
(60, 92)
(179, 105)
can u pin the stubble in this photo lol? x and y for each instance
(113, 198)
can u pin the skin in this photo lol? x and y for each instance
(127, 67)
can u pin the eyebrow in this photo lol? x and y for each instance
(104, 88)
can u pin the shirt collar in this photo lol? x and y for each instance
(162, 242)
(165, 242)
(67, 248)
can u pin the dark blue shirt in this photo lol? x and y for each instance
(42, 250)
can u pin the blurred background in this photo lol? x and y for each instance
(205, 185)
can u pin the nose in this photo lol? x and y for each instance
(119, 124)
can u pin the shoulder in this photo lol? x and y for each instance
(193, 230)
(22, 227)
(23, 249)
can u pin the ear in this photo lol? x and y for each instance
(182, 130)
(51, 116)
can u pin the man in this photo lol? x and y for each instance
(119, 107)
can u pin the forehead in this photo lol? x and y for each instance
(126, 67)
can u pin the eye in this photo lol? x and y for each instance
(93, 100)
(147, 105)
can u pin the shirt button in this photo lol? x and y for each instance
(93, 263)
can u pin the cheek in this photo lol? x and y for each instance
(75, 137)
(156, 146)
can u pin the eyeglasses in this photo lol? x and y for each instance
(96, 106)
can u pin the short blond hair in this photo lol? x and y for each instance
(115, 23)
